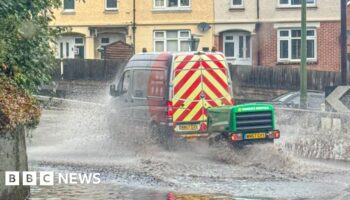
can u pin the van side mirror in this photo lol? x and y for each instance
(112, 91)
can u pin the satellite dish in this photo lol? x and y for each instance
(203, 27)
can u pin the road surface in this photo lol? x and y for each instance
(134, 167)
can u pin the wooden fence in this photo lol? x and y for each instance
(85, 69)
(255, 77)
(282, 78)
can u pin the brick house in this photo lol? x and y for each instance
(249, 32)
(161, 25)
(267, 32)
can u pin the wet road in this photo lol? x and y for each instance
(134, 167)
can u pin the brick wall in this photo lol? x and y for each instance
(267, 44)
(328, 47)
(217, 42)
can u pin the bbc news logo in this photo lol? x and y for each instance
(31, 178)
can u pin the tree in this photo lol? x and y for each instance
(26, 58)
(26, 53)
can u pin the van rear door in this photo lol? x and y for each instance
(199, 81)
(216, 82)
(187, 88)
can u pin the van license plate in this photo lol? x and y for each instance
(188, 127)
(252, 136)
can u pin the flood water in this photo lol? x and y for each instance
(132, 167)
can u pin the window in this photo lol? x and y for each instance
(123, 85)
(79, 48)
(172, 41)
(61, 50)
(229, 46)
(171, 4)
(104, 42)
(111, 5)
(148, 83)
(289, 45)
(67, 49)
(295, 3)
(68, 5)
(237, 3)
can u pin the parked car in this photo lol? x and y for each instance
(315, 100)
(169, 92)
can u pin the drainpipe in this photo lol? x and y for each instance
(343, 36)
(214, 27)
(257, 28)
(258, 9)
(134, 26)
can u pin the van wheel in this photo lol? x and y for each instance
(170, 143)
(163, 138)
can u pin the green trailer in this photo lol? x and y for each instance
(242, 124)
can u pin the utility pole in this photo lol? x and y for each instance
(343, 43)
(303, 66)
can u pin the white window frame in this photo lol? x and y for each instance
(80, 44)
(165, 39)
(68, 10)
(165, 7)
(111, 9)
(105, 44)
(289, 38)
(235, 39)
(237, 6)
(293, 6)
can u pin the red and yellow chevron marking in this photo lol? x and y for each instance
(200, 81)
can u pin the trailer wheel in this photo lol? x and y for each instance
(216, 139)
(237, 146)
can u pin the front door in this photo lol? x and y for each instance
(66, 47)
(237, 48)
